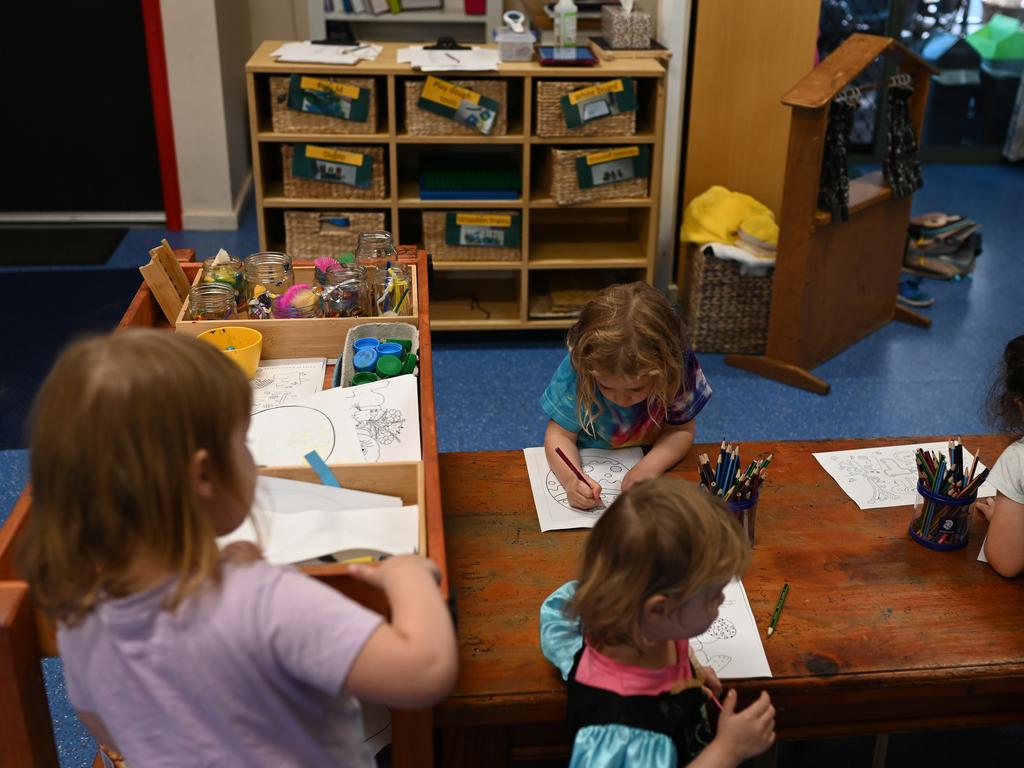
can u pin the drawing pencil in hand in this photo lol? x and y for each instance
(579, 474)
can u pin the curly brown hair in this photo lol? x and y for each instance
(628, 330)
(1006, 396)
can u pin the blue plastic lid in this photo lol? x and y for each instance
(365, 360)
(390, 348)
(367, 343)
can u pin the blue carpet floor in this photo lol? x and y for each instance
(901, 380)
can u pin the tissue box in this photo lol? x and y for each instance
(623, 30)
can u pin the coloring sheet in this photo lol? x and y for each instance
(732, 644)
(278, 382)
(885, 476)
(294, 521)
(607, 466)
(282, 435)
(386, 417)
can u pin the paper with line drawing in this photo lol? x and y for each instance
(732, 644)
(607, 466)
(885, 476)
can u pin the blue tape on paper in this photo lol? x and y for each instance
(323, 472)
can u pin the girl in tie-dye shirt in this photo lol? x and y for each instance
(629, 379)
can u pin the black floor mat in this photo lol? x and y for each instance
(48, 246)
(46, 310)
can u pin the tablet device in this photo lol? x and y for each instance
(556, 56)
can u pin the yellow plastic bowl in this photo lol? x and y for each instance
(243, 345)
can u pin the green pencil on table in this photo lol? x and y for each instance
(778, 609)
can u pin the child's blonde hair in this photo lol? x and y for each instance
(663, 537)
(116, 425)
(629, 330)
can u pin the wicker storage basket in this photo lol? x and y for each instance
(298, 187)
(308, 236)
(559, 177)
(435, 243)
(551, 118)
(726, 311)
(287, 120)
(421, 122)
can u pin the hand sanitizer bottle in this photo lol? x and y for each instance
(565, 23)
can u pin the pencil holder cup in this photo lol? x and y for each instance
(746, 514)
(941, 522)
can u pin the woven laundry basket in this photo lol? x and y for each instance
(726, 311)
(299, 187)
(286, 120)
(551, 118)
(422, 122)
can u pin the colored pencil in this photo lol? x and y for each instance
(778, 609)
(579, 473)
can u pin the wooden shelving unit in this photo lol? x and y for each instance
(616, 242)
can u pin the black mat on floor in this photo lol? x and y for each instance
(48, 246)
(46, 310)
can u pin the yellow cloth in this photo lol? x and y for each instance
(716, 215)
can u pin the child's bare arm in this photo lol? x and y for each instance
(581, 495)
(1004, 546)
(741, 735)
(412, 661)
(668, 450)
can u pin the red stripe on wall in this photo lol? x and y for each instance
(162, 112)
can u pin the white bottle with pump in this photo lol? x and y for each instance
(565, 23)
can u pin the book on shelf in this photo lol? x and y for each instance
(358, 6)
(395, 6)
(377, 7)
(421, 5)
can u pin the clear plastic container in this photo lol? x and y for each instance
(268, 274)
(746, 514)
(392, 289)
(229, 273)
(514, 46)
(305, 302)
(346, 291)
(941, 522)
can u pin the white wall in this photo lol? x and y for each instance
(207, 43)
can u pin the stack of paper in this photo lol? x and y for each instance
(327, 54)
(294, 521)
(372, 422)
(474, 59)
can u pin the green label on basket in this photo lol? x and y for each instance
(326, 97)
(331, 164)
(486, 230)
(613, 166)
(597, 101)
(459, 104)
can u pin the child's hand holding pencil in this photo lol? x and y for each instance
(584, 492)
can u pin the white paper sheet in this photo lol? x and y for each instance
(294, 521)
(606, 466)
(278, 382)
(885, 476)
(732, 645)
(473, 60)
(281, 436)
(326, 54)
(982, 557)
(386, 417)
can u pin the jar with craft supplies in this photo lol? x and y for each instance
(299, 301)
(392, 286)
(224, 268)
(346, 291)
(745, 511)
(211, 301)
(268, 274)
(940, 521)
(376, 249)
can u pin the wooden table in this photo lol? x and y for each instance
(878, 634)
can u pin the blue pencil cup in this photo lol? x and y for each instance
(941, 522)
(746, 514)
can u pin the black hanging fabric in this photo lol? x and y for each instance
(902, 165)
(834, 187)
